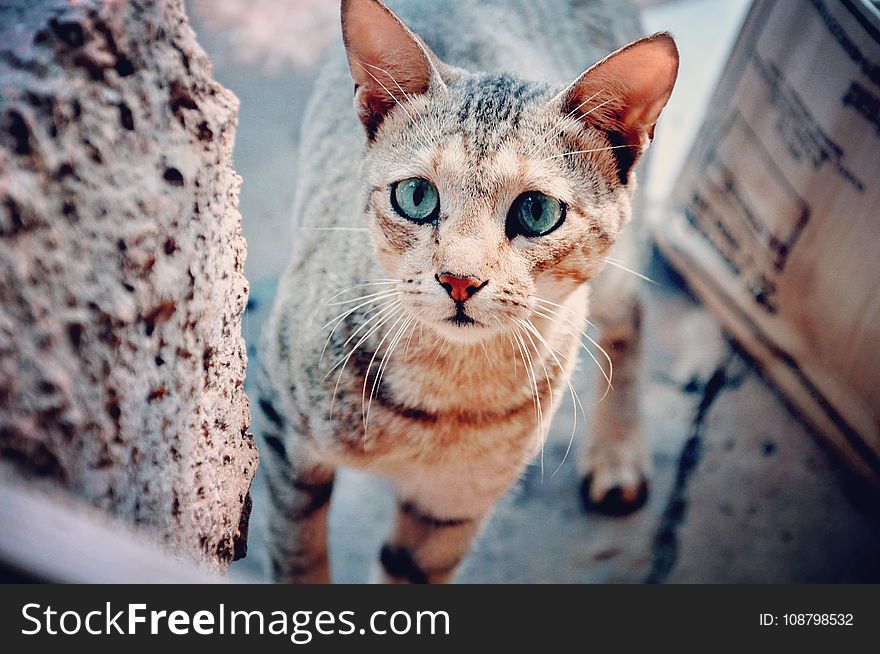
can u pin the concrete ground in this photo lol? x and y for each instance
(742, 490)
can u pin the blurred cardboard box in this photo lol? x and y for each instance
(775, 219)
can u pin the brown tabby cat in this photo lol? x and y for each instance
(433, 313)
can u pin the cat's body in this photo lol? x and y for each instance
(454, 419)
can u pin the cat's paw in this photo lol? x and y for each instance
(614, 478)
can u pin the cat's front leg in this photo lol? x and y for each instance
(440, 509)
(614, 463)
(426, 545)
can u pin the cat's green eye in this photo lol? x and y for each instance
(534, 214)
(416, 199)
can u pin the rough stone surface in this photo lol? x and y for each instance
(121, 257)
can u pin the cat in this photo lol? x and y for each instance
(450, 226)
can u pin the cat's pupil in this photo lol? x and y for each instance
(537, 209)
(418, 195)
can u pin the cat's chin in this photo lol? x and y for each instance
(463, 333)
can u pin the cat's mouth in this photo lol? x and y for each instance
(461, 318)
(464, 324)
(462, 327)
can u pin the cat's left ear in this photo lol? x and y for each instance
(388, 62)
(624, 94)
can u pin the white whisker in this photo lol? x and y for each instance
(387, 315)
(565, 154)
(409, 338)
(561, 124)
(428, 139)
(575, 400)
(533, 378)
(544, 430)
(506, 332)
(348, 312)
(537, 355)
(489, 362)
(333, 229)
(617, 264)
(431, 141)
(365, 283)
(377, 294)
(608, 375)
(565, 89)
(385, 88)
(378, 307)
(400, 317)
(383, 366)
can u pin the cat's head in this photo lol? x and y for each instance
(485, 192)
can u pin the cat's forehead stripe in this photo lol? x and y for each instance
(490, 107)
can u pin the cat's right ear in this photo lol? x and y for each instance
(388, 62)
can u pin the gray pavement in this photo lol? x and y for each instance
(742, 489)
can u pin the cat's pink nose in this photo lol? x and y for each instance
(459, 288)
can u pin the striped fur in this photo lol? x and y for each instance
(363, 367)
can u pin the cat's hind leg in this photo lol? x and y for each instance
(299, 489)
(614, 463)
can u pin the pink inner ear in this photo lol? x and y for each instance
(648, 75)
(386, 60)
(634, 83)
